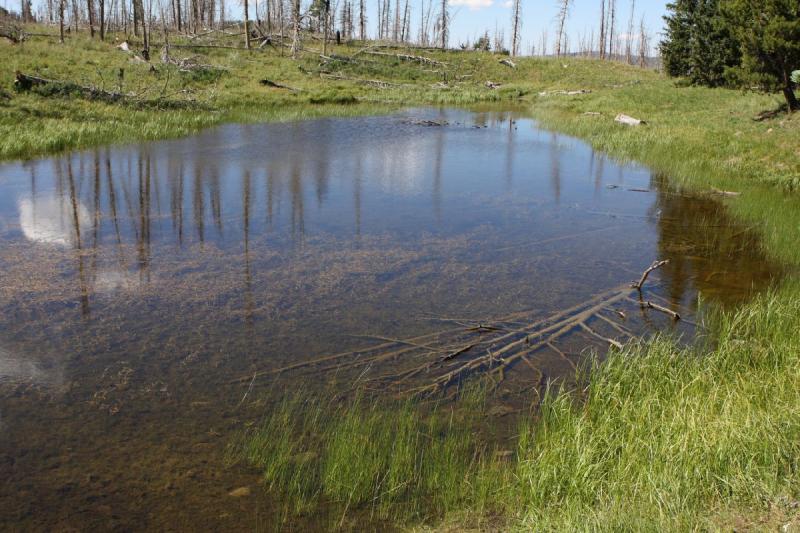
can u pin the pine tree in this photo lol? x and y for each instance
(699, 43)
(769, 31)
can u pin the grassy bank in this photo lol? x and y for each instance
(663, 437)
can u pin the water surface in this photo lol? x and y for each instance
(143, 285)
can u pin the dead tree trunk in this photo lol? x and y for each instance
(515, 27)
(612, 6)
(326, 16)
(629, 38)
(445, 20)
(362, 21)
(61, 21)
(563, 12)
(90, 16)
(296, 28)
(602, 41)
(246, 25)
(102, 4)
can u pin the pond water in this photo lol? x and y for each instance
(150, 292)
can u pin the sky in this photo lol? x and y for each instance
(471, 18)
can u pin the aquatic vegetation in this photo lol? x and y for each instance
(659, 437)
(377, 456)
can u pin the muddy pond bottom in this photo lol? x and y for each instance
(152, 294)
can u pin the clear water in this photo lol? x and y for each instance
(143, 285)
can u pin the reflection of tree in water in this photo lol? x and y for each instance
(708, 252)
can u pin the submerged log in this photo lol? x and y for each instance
(670, 312)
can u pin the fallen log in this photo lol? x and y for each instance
(185, 64)
(508, 63)
(12, 31)
(25, 83)
(565, 93)
(374, 83)
(628, 120)
(405, 57)
(275, 85)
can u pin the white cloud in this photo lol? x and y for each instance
(473, 5)
(508, 3)
(51, 220)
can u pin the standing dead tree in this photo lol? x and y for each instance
(295, 28)
(516, 22)
(629, 36)
(644, 44)
(612, 26)
(246, 25)
(362, 21)
(444, 21)
(563, 13)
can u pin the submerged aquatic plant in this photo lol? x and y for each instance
(388, 458)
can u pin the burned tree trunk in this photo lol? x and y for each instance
(515, 27)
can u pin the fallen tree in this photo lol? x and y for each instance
(48, 87)
(12, 31)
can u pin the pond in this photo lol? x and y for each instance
(151, 294)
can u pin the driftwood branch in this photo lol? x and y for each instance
(670, 312)
(656, 265)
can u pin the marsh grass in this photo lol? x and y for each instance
(396, 460)
(659, 437)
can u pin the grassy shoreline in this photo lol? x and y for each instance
(666, 438)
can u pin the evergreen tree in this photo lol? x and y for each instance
(676, 46)
(698, 44)
(769, 31)
(715, 49)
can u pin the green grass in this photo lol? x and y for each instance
(377, 458)
(661, 439)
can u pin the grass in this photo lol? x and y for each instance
(661, 437)
(378, 458)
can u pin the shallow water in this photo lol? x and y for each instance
(144, 285)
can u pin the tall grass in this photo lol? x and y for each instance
(663, 438)
(381, 457)
(674, 435)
